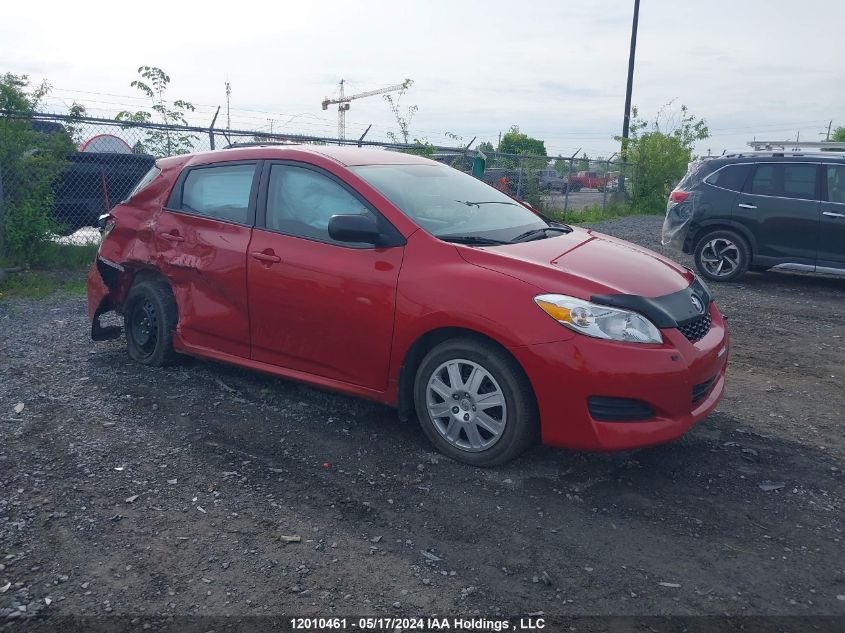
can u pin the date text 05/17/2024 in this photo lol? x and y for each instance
(418, 624)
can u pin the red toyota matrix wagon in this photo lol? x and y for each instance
(395, 278)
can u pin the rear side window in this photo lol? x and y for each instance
(147, 179)
(836, 183)
(731, 177)
(220, 192)
(785, 180)
(799, 181)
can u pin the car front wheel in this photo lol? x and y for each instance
(474, 402)
(722, 256)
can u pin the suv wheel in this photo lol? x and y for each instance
(150, 319)
(474, 403)
(722, 256)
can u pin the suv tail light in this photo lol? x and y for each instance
(678, 196)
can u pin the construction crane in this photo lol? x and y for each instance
(342, 102)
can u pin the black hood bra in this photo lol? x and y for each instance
(668, 311)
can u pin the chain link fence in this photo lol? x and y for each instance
(74, 169)
(558, 186)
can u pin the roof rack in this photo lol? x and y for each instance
(777, 153)
(796, 145)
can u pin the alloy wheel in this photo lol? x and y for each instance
(720, 257)
(466, 405)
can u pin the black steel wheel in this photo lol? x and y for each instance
(150, 319)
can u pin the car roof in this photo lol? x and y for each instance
(344, 155)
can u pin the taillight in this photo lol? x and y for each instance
(678, 196)
(105, 223)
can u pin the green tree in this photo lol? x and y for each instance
(838, 135)
(562, 165)
(486, 147)
(661, 151)
(516, 142)
(30, 162)
(165, 142)
(583, 163)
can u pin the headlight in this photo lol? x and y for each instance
(599, 321)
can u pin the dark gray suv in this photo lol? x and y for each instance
(760, 210)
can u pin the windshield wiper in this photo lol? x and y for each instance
(470, 203)
(471, 240)
(534, 234)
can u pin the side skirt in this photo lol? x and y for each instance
(282, 372)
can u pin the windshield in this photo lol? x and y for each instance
(448, 203)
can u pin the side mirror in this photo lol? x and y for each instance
(354, 228)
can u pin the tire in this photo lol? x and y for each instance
(722, 256)
(473, 439)
(150, 319)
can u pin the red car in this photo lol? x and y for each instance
(395, 278)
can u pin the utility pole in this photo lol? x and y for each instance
(829, 125)
(626, 122)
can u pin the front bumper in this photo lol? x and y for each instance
(565, 374)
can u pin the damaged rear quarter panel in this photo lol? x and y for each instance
(129, 246)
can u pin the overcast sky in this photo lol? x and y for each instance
(556, 68)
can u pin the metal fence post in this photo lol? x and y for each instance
(519, 183)
(604, 189)
(568, 187)
(211, 129)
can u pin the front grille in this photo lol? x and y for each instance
(696, 329)
(606, 409)
(700, 391)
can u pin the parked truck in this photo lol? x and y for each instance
(550, 180)
(588, 180)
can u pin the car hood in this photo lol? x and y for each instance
(584, 263)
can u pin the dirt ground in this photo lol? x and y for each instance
(129, 490)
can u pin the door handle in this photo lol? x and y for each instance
(742, 205)
(267, 258)
(832, 214)
(172, 237)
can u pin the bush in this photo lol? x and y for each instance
(661, 151)
(30, 162)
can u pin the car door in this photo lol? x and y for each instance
(201, 238)
(779, 205)
(832, 233)
(316, 305)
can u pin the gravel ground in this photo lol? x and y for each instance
(205, 489)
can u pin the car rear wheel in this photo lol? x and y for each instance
(150, 319)
(722, 256)
(474, 402)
